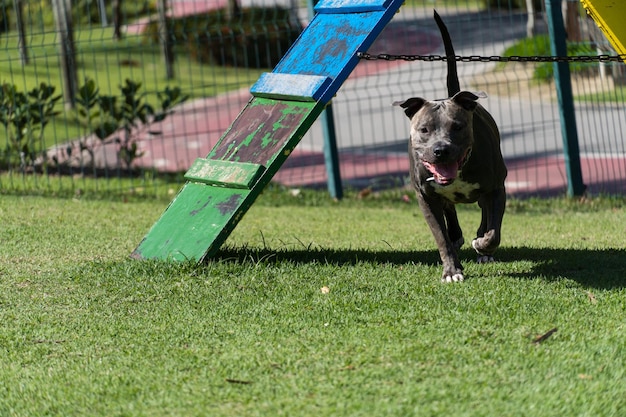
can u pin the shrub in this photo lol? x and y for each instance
(257, 38)
(119, 121)
(540, 46)
(24, 117)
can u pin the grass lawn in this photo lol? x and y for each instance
(616, 95)
(109, 63)
(312, 308)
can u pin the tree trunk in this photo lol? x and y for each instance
(530, 24)
(165, 39)
(19, 20)
(572, 25)
(233, 10)
(67, 52)
(116, 6)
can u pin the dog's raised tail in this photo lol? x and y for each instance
(453, 77)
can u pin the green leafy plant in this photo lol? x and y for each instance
(121, 121)
(24, 117)
(540, 46)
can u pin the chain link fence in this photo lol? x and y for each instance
(124, 97)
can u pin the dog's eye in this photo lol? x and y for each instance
(457, 126)
(423, 129)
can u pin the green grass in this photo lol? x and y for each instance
(86, 331)
(110, 63)
(616, 95)
(148, 185)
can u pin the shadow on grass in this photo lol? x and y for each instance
(596, 268)
(602, 269)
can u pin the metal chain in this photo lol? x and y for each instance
(494, 58)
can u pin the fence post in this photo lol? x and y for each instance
(331, 154)
(563, 83)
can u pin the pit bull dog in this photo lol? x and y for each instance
(455, 157)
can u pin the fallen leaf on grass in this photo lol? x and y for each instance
(592, 298)
(364, 193)
(544, 336)
(325, 290)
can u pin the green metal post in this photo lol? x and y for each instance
(562, 80)
(331, 154)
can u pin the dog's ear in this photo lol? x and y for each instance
(410, 106)
(467, 99)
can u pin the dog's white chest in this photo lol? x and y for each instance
(457, 192)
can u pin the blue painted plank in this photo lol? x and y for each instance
(296, 87)
(329, 45)
(351, 6)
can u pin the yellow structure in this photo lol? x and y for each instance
(610, 16)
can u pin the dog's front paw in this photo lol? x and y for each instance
(486, 244)
(452, 275)
(485, 259)
(453, 278)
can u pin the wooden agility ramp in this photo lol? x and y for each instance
(221, 187)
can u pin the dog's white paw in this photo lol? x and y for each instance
(485, 259)
(453, 278)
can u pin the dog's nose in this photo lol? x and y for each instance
(441, 150)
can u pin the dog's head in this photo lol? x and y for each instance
(442, 133)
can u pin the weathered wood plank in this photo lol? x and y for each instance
(295, 87)
(224, 173)
(263, 130)
(201, 217)
(329, 44)
(351, 6)
(196, 223)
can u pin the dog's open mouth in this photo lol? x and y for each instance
(445, 174)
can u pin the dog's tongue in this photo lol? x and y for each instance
(443, 174)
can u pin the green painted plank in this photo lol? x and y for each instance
(265, 130)
(224, 173)
(201, 217)
(195, 223)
